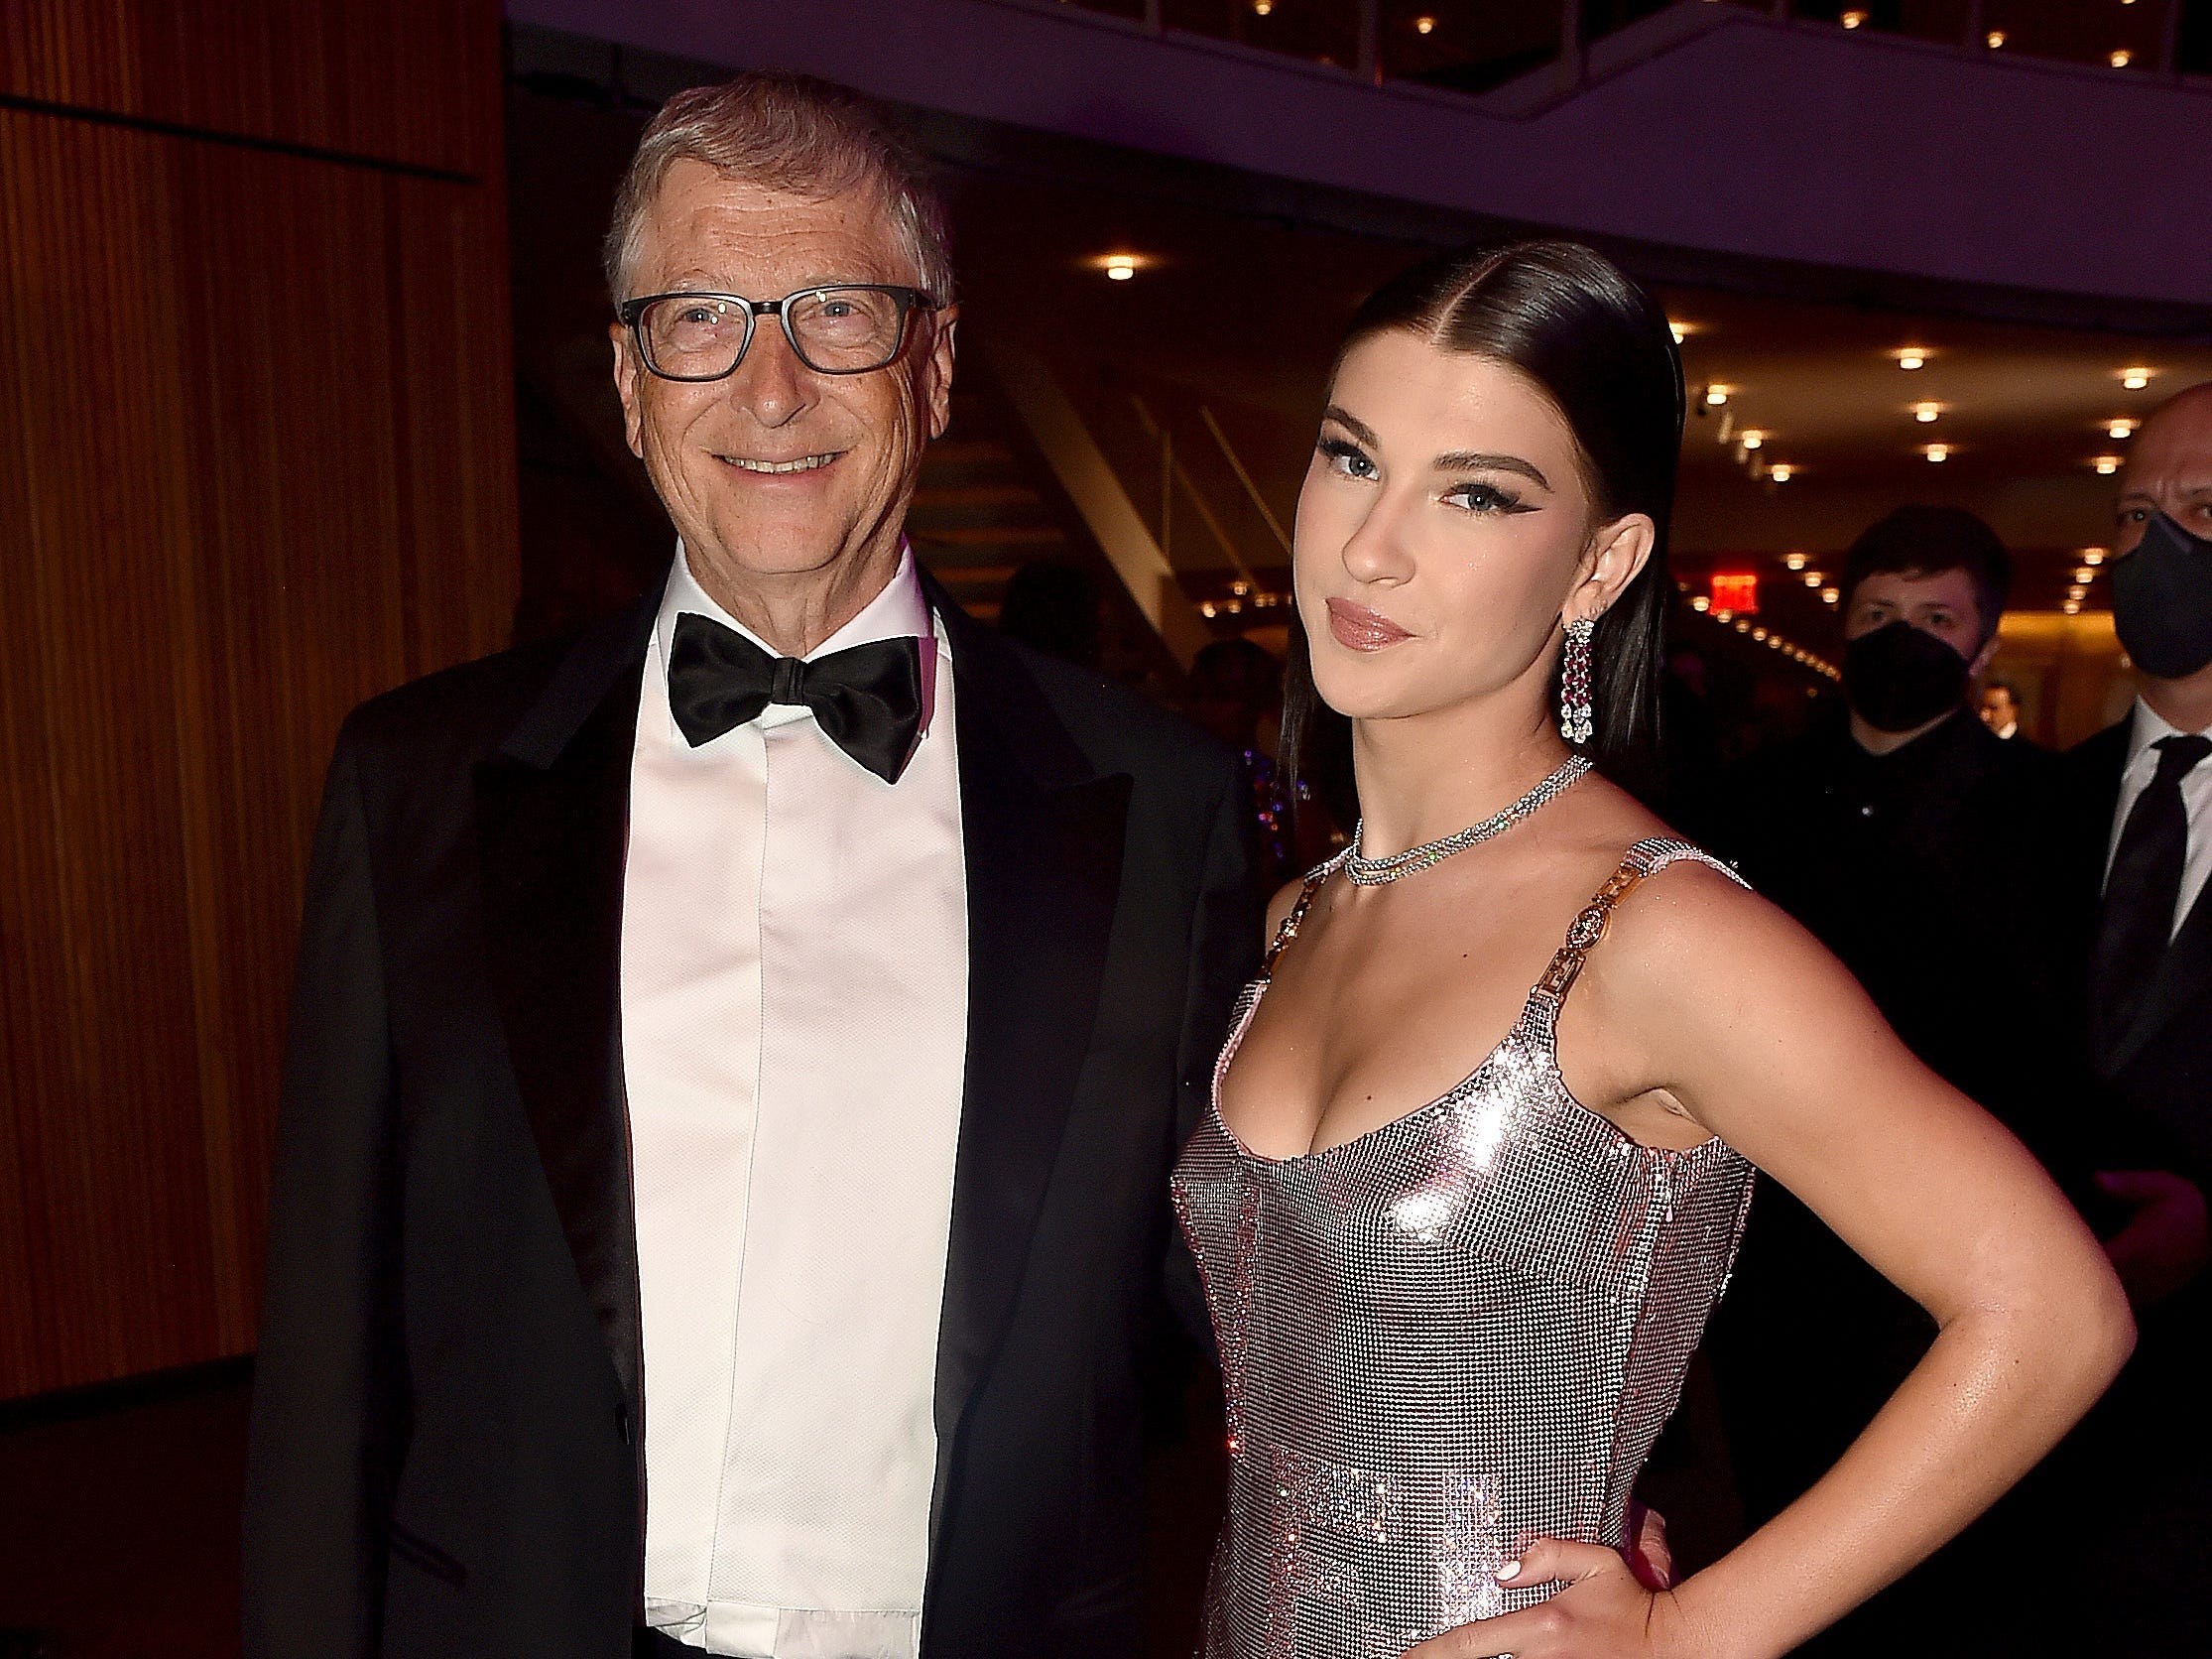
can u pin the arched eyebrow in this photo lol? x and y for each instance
(1475, 460)
(1452, 460)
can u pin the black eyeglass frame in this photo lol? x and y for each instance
(911, 300)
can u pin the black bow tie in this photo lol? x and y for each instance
(868, 700)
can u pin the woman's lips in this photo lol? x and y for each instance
(1357, 628)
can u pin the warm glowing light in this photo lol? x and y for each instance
(1814, 579)
(1680, 330)
(1751, 438)
(2073, 607)
(1715, 396)
(1937, 452)
(1829, 595)
(1735, 590)
(1912, 357)
(1994, 39)
(1742, 626)
(1782, 473)
(2106, 465)
(2135, 379)
(1206, 607)
(2092, 556)
(2121, 59)
(2123, 428)
(1425, 25)
(1926, 412)
(1797, 561)
(1721, 616)
(1854, 19)
(1700, 602)
(2085, 574)
(1759, 633)
(2077, 594)
(1119, 267)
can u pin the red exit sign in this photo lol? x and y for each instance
(1736, 592)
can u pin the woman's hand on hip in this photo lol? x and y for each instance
(1603, 1612)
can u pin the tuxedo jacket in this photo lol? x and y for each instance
(2158, 1075)
(447, 1445)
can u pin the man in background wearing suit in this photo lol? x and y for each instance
(2143, 789)
(736, 1059)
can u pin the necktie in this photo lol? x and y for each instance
(2136, 918)
(867, 700)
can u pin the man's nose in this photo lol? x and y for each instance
(771, 383)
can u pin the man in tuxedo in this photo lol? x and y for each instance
(737, 1057)
(2144, 793)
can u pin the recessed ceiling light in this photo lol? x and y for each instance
(1814, 579)
(2073, 607)
(1425, 25)
(1751, 438)
(1716, 394)
(1781, 474)
(2092, 556)
(1829, 595)
(2077, 594)
(2135, 379)
(2123, 428)
(1925, 411)
(1119, 267)
(1795, 561)
(1853, 19)
(1759, 633)
(2085, 574)
(1742, 626)
(1206, 607)
(2106, 465)
(1937, 451)
(1680, 330)
(1700, 602)
(1262, 7)
(1912, 357)
(1994, 37)
(2121, 59)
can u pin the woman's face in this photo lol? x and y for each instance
(1446, 532)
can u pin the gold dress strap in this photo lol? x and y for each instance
(1645, 858)
(1289, 927)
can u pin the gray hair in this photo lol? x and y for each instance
(793, 133)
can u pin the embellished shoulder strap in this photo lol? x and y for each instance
(1289, 927)
(1646, 858)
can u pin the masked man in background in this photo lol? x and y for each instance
(1919, 847)
(2142, 791)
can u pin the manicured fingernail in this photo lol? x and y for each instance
(1509, 1572)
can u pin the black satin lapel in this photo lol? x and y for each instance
(1044, 867)
(2182, 984)
(553, 837)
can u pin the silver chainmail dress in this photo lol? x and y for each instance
(1463, 1327)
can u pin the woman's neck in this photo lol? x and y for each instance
(1429, 775)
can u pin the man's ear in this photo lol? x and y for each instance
(938, 390)
(1618, 552)
(626, 375)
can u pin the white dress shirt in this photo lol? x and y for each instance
(2196, 801)
(793, 1035)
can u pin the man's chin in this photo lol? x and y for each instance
(776, 551)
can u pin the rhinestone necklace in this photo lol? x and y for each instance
(1374, 873)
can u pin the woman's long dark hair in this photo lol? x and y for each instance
(1565, 316)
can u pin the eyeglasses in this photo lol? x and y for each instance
(845, 328)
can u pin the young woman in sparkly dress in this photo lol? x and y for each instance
(1450, 1331)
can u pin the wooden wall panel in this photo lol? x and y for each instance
(402, 81)
(256, 463)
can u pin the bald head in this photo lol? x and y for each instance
(2170, 467)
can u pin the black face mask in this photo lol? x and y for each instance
(1900, 676)
(2161, 600)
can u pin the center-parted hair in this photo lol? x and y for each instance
(1601, 350)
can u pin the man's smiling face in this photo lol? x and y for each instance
(721, 454)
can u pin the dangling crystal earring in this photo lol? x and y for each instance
(1574, 682)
